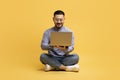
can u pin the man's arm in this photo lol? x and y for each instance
(70, 49)
(45, 41)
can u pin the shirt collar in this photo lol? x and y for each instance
(56, 29)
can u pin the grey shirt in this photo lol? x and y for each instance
(45, 44)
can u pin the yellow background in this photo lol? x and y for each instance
(97, 38)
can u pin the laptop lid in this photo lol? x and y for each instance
(61, 38)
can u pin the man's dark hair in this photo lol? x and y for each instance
(59, 12)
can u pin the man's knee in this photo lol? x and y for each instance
(42, 56)
(75, 57)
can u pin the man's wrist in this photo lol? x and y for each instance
(50, 47)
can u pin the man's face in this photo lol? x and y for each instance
(58, 20)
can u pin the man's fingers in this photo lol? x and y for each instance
(61, 47)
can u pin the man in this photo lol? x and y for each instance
(58, 58)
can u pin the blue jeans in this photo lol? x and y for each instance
(56, 62)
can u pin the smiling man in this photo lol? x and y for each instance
(58, 58)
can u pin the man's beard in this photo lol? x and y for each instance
(58, 28)
(57, 25)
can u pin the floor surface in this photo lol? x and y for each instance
(92, 67)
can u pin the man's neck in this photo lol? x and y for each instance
(57, 28)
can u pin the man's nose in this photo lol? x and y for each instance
(58, 21)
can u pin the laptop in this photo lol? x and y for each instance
(61, 39)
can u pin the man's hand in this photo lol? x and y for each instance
(61, 47)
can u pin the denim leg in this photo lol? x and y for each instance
(70, 60)
(50, 60)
